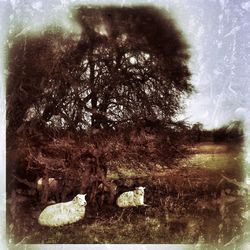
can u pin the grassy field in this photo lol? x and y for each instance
(190, 203)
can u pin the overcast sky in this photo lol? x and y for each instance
(217, 31)
(220, 37)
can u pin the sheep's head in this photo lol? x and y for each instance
(139, 190)
(80, 200)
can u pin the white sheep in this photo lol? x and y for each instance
(52, 188)
(63, 213)
(131, 198)
(52, 184)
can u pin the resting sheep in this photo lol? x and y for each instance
(131, 198)
(63, 213)
(52, 184)
(49, 192)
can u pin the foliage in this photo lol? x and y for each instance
(233, 131)
(230, 132)
(124, 68)
(74, 104)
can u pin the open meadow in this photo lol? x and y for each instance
(196, 202)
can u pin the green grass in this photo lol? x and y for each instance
(185, 206)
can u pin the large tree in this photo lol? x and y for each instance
(130, 64)
(128, 67)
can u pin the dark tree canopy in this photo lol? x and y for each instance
(77, 105)
(129, 65)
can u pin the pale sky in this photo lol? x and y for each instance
(217, 31)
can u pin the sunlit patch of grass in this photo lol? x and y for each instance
(213, 161)
(210, 148)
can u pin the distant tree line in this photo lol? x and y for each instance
(233, 131)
